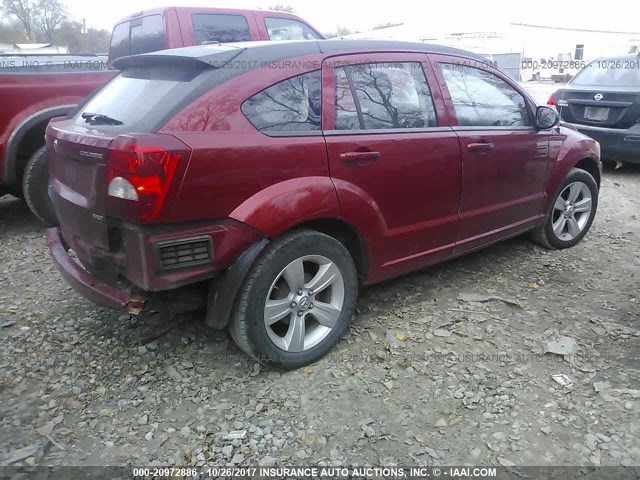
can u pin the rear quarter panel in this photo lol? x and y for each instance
(271, 183)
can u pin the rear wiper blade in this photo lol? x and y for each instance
(100, 119)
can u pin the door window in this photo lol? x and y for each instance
(482, 99)
(380, 96)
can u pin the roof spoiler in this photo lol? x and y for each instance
(217, 58)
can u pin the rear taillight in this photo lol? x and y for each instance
(552, 100)
(143, 174)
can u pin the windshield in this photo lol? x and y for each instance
(615, 72)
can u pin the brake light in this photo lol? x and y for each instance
(552, 100)
(140, 175)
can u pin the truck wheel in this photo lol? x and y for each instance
(297, 300)
(572, 212)
(35, 187)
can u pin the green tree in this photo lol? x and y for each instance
(97, 41)
(69, 34)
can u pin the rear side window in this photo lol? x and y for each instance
(220, 28)
(293, 105)
(140, 97)
(148, 35)
(482, 99)
(610, 72)
(380, 96)
(288, 29)
(120, 41)
(140, 35)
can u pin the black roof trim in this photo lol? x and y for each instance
(329, 46)
(267, 51)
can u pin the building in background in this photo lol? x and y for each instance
(543, 51)
(31, 49)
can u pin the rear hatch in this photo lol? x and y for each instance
(77, 170)
(124, 115)
(606, 93)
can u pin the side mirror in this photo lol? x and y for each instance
(546, 117)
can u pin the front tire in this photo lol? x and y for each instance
(297, 300)
(35, 187)
(572, 212)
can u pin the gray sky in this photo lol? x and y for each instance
(443, 16)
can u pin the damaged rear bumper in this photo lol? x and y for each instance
(118, 298)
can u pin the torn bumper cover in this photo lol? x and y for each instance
(86, 284)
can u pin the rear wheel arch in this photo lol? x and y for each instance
(281, 206)
(27, 139)
(348, 236)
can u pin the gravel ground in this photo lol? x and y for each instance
(435, 368)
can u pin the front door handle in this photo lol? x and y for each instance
(359, 157)
(480, 148)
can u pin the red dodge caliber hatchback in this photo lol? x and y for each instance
(262, 184)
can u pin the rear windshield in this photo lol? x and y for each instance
(140, 35)
(140, 97)
(610, 72)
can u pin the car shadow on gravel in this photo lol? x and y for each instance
(16, 217)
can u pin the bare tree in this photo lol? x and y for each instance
(386, 25)
(339, 32)
(48, 16)
(22, 10)
(283, 8)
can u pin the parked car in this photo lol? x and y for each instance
(603, 101)
(35, 89)
(265, 183)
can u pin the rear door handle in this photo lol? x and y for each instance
(480, 147)
(359, 157)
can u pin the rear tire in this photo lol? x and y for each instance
(279, 319)
(35, 187)
(572, 212)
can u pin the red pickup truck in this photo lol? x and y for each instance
(35, 90)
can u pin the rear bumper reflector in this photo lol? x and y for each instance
(184, 253)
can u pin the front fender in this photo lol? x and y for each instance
(284, 205)
(575, 148)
